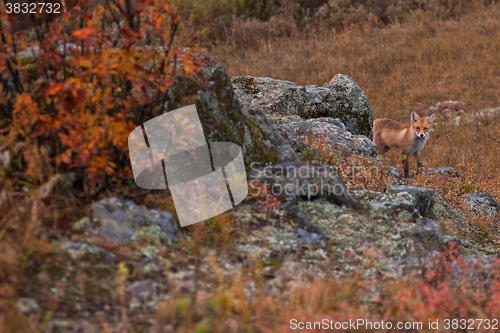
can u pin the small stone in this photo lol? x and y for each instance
(80, 251)
(484, 203)
(27, 305)
(448, 240)
(424, 196)
(395, 173)
(443, 170)
(307, 237)
(118, 221)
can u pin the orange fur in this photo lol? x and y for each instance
(410, 139)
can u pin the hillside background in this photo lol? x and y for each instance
(406, 56)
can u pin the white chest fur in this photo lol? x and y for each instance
(418, 143)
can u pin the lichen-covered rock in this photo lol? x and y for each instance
(27, 306)
(473, 239)
(282, 143)
(372, 232)
(307, 237)
(284, 101)
(122, 221)
(424, 197)
(401, 204)
(445, 170)
(408, 202)
(85, 252)
(222, 117)
(395, 173)
(429, 231)
(450, 218)
(142, 294)
(307, 231)
(483, 203)
(356, 239)
(336, 136)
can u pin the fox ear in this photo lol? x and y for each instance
(414, 117)
(431, 118)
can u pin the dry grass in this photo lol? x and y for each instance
(401, 68)
(435, 294)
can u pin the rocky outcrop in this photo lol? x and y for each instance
(122, 221)
(285, 146)
(389, 228)
(483, 203)
(222, 117)
(336, 137)
(450, 217)
(84, 252)
(284, 101)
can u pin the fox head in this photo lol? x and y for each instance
(421, 125)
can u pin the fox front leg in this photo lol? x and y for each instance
(418, 160)
(406, 166)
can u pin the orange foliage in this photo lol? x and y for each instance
(92, 85)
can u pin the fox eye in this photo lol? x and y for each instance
(425, 128)
(418, 128)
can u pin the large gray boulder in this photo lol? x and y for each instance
(278, 139)
(222, 117)
(284, 101)
(334, 133)
(122, 221)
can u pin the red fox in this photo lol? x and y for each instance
(410, 139)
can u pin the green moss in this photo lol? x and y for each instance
(204, 326)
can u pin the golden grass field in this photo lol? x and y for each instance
(402, 68)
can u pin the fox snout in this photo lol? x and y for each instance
(421, 135)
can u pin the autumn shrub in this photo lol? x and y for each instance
(70, 100)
